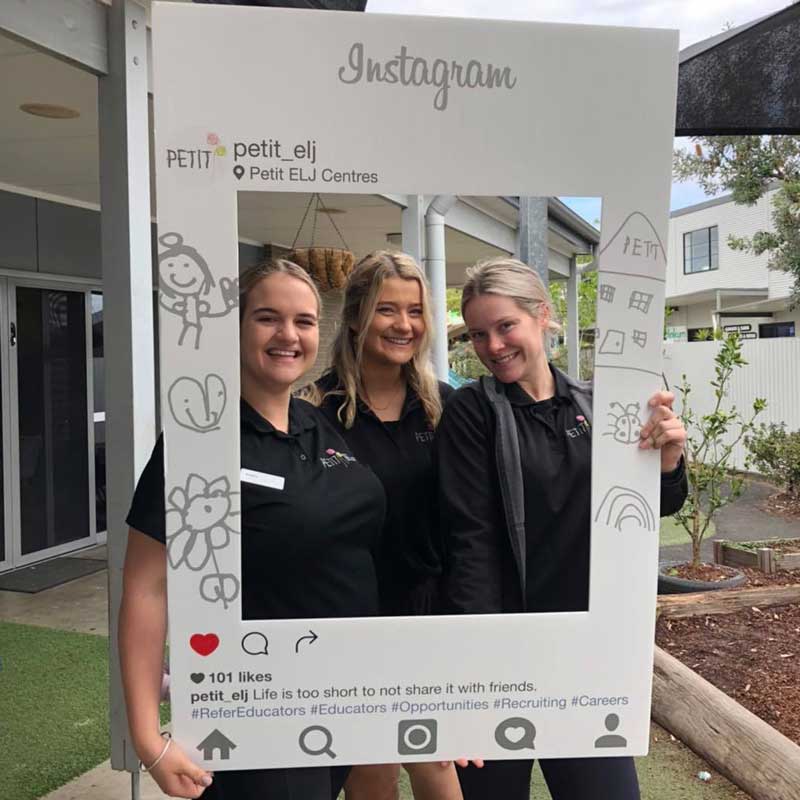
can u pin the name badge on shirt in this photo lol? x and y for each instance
(262, 479)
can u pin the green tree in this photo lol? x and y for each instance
(454, 301)
(710, 441)
(587, 307)
(747, 166)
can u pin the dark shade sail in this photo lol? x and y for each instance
(743, 81)
(326, 5)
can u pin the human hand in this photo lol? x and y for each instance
(664, 431)
(463, 762)
(176, 774)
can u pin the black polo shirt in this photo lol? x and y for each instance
(308, 547)
(555, 453)
(401, 455)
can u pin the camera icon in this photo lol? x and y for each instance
(416, 737)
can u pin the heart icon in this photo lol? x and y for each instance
(198, 677)
(515, 735)
(204, 643)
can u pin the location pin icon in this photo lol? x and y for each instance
(238, 171)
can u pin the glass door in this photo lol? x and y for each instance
(51, 418)
(5, 449)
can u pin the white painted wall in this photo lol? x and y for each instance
(772, 372)
(736, 269)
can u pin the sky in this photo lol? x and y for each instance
(696, 20)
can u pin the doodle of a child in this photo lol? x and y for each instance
(185, 278)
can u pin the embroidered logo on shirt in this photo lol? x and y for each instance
(333, 458)
(580, 429)
(423, 436)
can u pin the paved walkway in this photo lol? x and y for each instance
(78, 605)
(741, 521)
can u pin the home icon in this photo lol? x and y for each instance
(216, 740)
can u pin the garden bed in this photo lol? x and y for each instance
(769, 555)
(752, 655)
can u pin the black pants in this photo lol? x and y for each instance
(300, 783)
(567, 779)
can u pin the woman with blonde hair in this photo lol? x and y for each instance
(307, 548)
(383, 395)
(503, 562)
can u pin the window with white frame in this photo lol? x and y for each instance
(701, 250)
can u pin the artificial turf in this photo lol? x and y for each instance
(53, 708)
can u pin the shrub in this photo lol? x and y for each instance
(709, 447)
(775, 453)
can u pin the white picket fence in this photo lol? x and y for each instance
(772, 372)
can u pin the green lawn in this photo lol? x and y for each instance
(674, 533)
(53, 708)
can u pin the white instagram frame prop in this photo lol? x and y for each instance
(571, 110)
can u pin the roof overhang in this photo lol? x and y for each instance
(767, 306)
(743, 81)
(710, 295)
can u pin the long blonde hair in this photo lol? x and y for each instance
(360, 300)
(510, 278)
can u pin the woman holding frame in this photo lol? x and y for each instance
(508, 313)
(307, 549)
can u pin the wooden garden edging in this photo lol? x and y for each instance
(739, 745)
(765, 558)
(726, 601)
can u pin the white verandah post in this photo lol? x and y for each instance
(128, 309)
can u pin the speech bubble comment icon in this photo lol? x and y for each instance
(255, 644)
(316, 740)
(515, 733)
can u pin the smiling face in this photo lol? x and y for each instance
(507, 339)
(279, 333)
(397, 327)
(182, 274)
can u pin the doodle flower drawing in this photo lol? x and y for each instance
(200, 518)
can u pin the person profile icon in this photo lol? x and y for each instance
(611, 739)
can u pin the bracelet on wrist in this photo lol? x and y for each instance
(167, 743)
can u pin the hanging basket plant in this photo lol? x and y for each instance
(328, 266)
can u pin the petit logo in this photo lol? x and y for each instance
(199, 158)
(333, 458)
(580, 429)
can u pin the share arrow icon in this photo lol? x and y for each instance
(311, 639)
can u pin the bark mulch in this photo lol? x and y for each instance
(753, 656)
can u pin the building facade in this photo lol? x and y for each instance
(711, 286)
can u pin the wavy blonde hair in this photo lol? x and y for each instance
(510, 278)
(361, 296)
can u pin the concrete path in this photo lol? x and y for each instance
(104, 783)
(742, 521)
(78, 605)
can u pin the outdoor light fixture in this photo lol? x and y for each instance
(49, 111)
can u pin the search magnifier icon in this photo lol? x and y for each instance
(316, 740)
(516, 733)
